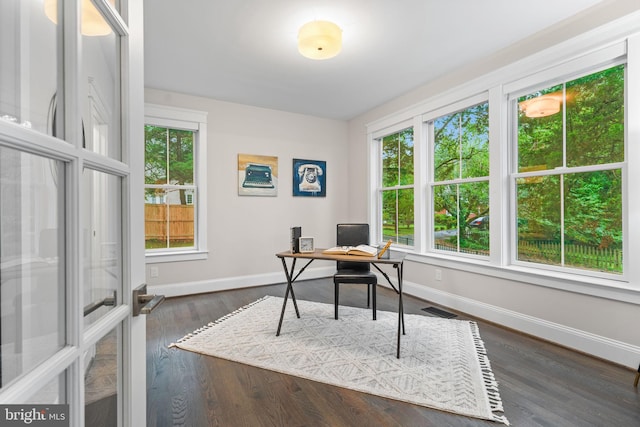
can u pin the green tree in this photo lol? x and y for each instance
(169, 157)
(593, 125)
(155, 168)
(397, 170)
(461, 150)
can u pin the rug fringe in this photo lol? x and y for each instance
(217, 322)
(490, 383)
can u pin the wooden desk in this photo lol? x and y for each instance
(394, 258)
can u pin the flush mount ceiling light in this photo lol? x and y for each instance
(319, 40)
(541, 106)
(92, 24)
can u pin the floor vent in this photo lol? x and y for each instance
(438, 312)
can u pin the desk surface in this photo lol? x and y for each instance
(393, 258)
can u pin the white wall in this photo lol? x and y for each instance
(607, 327)
(244, 232)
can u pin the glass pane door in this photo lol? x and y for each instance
(32, 261)
(29, 67)
(66, 323)
(102, 241)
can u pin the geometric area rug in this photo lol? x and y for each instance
(443, 363)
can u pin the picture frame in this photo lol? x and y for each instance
(309, 178)
(257, 175)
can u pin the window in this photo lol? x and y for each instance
(396, 187)
(460, 188)
(526, 174)
(568, 173)
(174, 183)
(169, 178)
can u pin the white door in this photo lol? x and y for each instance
(71, 210)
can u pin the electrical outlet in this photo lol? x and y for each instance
(438, 274)
(153, 272)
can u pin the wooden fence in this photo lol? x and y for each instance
(176, 220)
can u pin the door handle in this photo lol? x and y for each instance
(144, 303)
(108, 301)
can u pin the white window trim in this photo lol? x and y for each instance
(375, 178)
(597, 61)
(608, 42)
(431, 183)
(182, 118)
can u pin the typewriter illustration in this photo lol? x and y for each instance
(257, 176)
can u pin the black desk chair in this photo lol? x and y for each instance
(354, 272)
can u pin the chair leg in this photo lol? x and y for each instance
(368, 295)
(335, 302)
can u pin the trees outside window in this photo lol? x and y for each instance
(169, 188)
(554, 171)
(175, 184)
(569, 169)
(396, 187)
(460, 187)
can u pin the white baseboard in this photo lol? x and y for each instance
(586, 342)
(602, 347)
(228, 283)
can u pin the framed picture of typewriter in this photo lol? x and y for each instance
(309, 178)
(257, 175)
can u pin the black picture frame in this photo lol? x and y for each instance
(309, 178)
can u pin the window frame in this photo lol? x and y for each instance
(196, 121)
(376, 204)
(556, 63)
(398, 187)
(572, 71)
(428, 121)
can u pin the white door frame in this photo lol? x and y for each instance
(135, 337)
(128, 22)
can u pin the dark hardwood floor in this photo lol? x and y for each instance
(541, 384)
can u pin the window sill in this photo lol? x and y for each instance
(195, 255)
(618, 290)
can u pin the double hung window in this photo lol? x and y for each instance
(460, 187)
(175, 147)
(552, 171)
(568, 173)
(396, 187)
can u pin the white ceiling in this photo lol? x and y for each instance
(245, 51)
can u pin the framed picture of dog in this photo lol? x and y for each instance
(309, 178)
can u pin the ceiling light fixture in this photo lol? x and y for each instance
(541, 106)
(92, 24)
(319, 40)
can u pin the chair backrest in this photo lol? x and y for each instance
(352, 235)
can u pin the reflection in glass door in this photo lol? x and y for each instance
(102, 241)
(102, 291)
(32, 262)
(101, 382)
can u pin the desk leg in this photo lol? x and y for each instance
(400, 307)
(289, 275)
